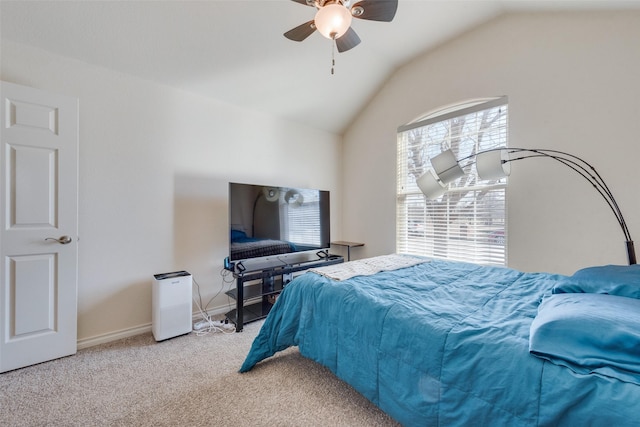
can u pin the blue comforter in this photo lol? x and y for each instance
(442, 344)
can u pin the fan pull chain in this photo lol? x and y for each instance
(333, 54)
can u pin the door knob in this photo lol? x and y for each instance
(63, 240)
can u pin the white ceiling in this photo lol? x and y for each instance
(234, 51)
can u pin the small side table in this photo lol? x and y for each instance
(348, 245)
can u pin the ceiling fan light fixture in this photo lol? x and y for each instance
(333, 20)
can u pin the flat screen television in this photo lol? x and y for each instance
(276, 224)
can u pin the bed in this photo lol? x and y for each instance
(243, 247)
(441, 343)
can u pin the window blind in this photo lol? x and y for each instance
(467, 223)
(302, 220)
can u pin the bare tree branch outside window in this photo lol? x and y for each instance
(468, 222)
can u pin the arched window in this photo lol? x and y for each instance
(467, 223)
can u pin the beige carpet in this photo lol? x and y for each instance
(184, 381)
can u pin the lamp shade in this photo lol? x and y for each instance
(333, 20)
(493, 164)
(294, 198)
(271, 194)
(446, 167)
(430, 185)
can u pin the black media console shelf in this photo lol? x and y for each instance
(254, 300)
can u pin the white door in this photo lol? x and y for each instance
(38, 226)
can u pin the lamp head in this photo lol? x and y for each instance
(446, 167)
(333, 20)
(270, 194)
(430, 186)
(493, 164)
(294, 198)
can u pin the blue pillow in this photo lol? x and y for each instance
(238, 235)
(621, 280)
(589, 333)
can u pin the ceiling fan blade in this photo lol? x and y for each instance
(347, 41)
(304, 2)
(301, 32)
(375, 10)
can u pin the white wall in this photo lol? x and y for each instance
(155, 162)
(573, 84)
(154, 169)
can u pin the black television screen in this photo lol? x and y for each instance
(275, 222)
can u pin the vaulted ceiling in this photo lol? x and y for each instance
(234, 50)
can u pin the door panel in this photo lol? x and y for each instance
(32, 175)
(28, 115)
(32, 290)
(39, 204)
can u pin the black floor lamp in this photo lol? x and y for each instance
(496, 163)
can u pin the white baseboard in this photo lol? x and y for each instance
(113, 336)
(137, 330)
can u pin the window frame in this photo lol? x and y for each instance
(469, 222)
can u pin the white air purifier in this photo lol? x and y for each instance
(171, 305)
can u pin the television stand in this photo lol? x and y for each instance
(257, 290)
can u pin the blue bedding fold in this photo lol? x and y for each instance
(442, 344)
(590, 333)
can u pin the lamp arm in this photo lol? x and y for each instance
(594, 179)
(580, 163)
(604, 186)
(596, 185)
(584, 169)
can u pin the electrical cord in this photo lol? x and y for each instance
(211, 325)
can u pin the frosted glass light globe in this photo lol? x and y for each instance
(333, 20)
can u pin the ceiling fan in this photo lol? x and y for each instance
(333, 19)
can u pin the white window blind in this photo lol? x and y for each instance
(467, 223)
(301, 216)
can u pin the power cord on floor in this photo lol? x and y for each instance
(208, 325)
